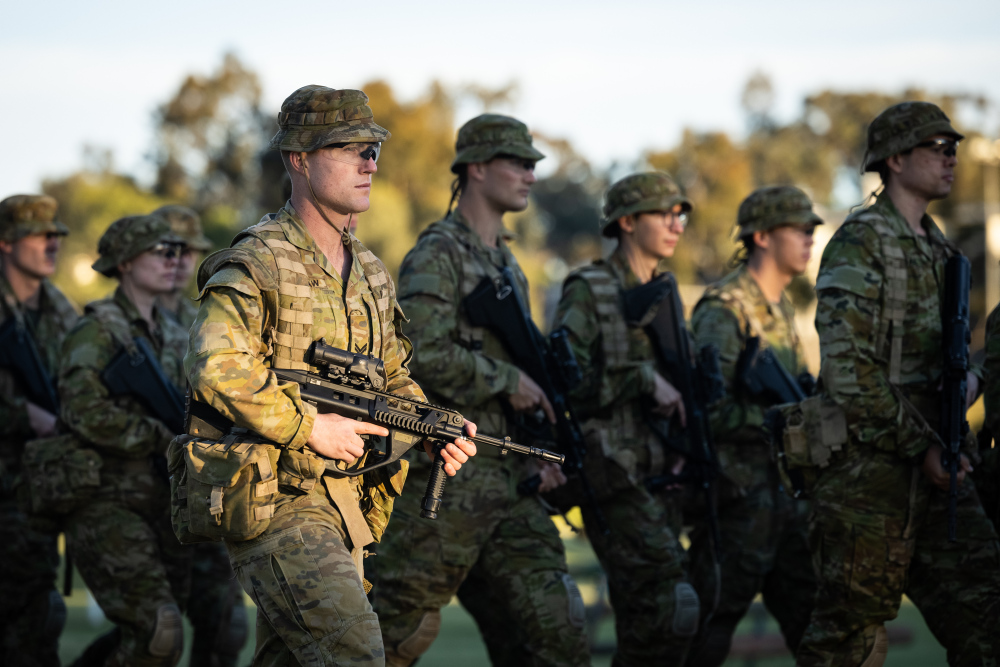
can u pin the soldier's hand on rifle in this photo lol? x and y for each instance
(668, 399)
(42, 422)
(339, 438)
(552, 476)
(455, 453)
(937, 473)
(971, 389)
(529, 397)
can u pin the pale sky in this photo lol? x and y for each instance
(614, 77)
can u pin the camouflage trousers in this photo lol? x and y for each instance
(879, 530)
(215, 608)
(32, 612)
(304, 578)
(764, 549)
(510, 548)
(137, 572)
(656, 609)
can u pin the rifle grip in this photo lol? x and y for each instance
(431, 503)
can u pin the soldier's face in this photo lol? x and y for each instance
(186, 265)
(34, 255)
(656, 232)
(791, 246)
(506, 182)
(927, 171)
(341, 179)
(153, 271)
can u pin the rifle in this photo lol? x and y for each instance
(955, 338)
(763, 375)
(19, 354)
(139, 374)
(657, 306)
(351, 385)
(551, 363)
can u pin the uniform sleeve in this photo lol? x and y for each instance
(14, 422)
(430, 296)
(602, 386)
(117, 425)
(715, 323)
(223, 363)
(848, 313)
(991, 372)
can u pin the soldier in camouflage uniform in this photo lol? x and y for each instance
(987, 472)
(32, 612)
(880, 504)
(292, 279)
(185, 223)
(485, 527)
(121, 538)
(764, 533)
(656, 609)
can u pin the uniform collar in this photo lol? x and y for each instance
(473, 239)
(746, 282)
(297, 234)
(132, 313)
(620, 265)
(884, 205)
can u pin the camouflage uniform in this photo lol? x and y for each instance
(32, 612)
(263, 302)
(216, 610)
(121, 539)
(879, 526)
(987, 470)
(507, 542)
(656, 609)
(764, 532)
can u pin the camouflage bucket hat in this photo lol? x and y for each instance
(185, 223)
(129, 237)
(316, 116)
(23, 215)
(648, 191)
(901, 127)
(489, 135)
(773, 206)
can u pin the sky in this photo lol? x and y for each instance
(616, 78)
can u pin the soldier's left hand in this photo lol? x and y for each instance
(552, 476)
(971, 389)
(455, 453)
(935, 471)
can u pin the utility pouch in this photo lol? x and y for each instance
(380, 489)
(221, 490)
(60, 475)
(804, 437)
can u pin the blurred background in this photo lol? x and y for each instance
(115, 108)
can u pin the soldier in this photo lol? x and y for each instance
(656, 609)
(764, 533)
(185, 223)
(32, 612)
(880, 505)
(506, 541)
(121, 537)
(294, 278)
(987, 472)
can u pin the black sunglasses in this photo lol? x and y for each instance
(945, 147)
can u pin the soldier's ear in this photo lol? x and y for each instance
(762, 238)
(476, 171)
(895, 163)
(6, 247)
(627, 223)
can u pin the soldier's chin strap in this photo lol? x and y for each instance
(345, 238)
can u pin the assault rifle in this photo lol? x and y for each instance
(656, 305)
(19, 354)
(956, 337)
(764, 376)
(352, 385)
(551, 363)
(139, 374)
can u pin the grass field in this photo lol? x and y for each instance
(459, 644)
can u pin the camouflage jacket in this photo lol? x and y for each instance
(615, 383)
(855, 343)
(731, 311)
(48, 326)
(120, 428)
(991, 380)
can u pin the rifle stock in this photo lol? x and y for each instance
(956, 336)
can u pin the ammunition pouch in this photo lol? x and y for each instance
(60, 475)
(804, 437)
(379, 491)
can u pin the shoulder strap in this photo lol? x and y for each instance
(606, 288)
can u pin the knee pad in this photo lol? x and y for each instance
(577, 612)
(55, 617)
(416, 644)
(687, 608)
(880, 647)
(232, 633)
(168, 634)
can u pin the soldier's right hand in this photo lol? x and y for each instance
(339, 438)
(42, 422)
(529, 397)
(668, 399)
(935, 471)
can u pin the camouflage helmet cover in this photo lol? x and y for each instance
(901, 127)
(128, 237)
(315, 116)
(647, 191)
(489, 135)
(23, 215)
(773, 206)
(185, 223)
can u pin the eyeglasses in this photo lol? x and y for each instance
(167, 250)
(353, 153)
(673, 217)
(940, 146)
